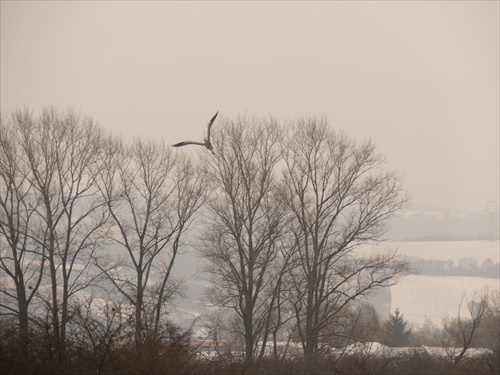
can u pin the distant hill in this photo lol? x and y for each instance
(427, 224)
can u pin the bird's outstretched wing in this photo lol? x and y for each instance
(210, 125)
(184, 143)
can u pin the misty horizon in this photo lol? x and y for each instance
(420, 79)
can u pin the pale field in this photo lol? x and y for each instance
(422, 298)
(433, 298)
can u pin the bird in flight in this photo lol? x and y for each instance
(206, 141)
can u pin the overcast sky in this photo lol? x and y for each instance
(419, 78)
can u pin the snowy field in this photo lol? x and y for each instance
(421, 298)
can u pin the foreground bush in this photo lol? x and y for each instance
(416, 363)
(173, 356)
(38, 356)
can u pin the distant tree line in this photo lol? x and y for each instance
(466, 266)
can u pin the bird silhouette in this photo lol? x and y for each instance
(206, 141)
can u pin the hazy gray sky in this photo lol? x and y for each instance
(419, 78)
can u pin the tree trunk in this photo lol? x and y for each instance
(23, 319)
(248, 323)
(138, 311)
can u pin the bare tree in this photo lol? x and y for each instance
(358, 323)
(461, 332)
(152, 195)
(21, 261)
(339, 197)
(68, 218)
(489, 331)
(242, 243)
